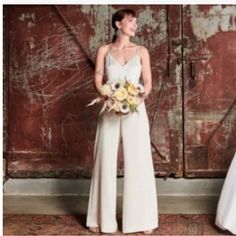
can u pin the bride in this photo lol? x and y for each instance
(226, 210)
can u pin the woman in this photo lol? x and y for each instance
(123, 58)
(226, 210)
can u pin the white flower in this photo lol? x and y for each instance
(140, 88)
(106, 90)
(115, 86)
(124, 108)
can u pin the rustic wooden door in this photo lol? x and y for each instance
(49, 81)
(209, 60)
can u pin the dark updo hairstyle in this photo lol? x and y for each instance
(118, 16)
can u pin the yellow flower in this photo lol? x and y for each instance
(121, 94)
(132, 89)
(132, 100)
(122, 81)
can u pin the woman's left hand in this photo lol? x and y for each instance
(144, 96)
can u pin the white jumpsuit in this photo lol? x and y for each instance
(139, 210)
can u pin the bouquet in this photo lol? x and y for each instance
(121, 97)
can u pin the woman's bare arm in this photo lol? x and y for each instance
(146, 71)
(99, 67)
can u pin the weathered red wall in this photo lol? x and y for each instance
(49, 66)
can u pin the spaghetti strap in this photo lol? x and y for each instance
(108, 54)
(109, 48)
(137, 49)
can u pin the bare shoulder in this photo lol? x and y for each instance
(103, 48)
(143, 50)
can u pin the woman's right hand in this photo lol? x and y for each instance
(103, 97)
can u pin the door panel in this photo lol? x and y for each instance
(166, 98)
(210, 84)
(50, 84)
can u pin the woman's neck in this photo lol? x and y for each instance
(122, 42)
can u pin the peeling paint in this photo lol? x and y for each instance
(31, 25)
(46, 136)
(31, 43)
(217, 19)
(27, 15)
(99, 22)
(155, 23)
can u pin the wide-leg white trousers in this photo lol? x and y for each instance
(139, 210)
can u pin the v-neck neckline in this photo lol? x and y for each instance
(119, 62)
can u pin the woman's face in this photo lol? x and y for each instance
(128, 25)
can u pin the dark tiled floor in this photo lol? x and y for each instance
(75, 225)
